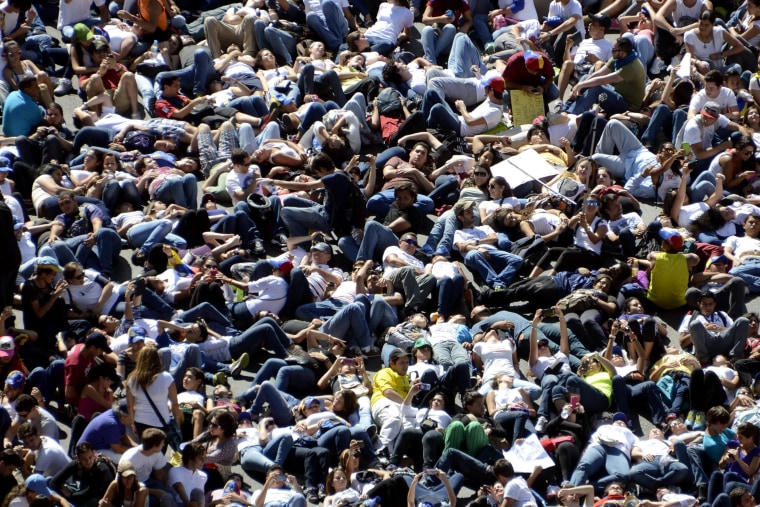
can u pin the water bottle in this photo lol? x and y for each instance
(154, 49)
(315, 144)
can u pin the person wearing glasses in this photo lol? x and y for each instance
(617, 87)
(257, 445)
(407, 272)
(88, 293)
(221, 448)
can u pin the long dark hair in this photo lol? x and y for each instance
(710, 220)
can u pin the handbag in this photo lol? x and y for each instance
(550, 444)
(171, 428)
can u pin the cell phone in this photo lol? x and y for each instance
(431, 471)
(281, 477)
(574, 398)
(549, 312)
(686, 148)
(140, 286)
(213, 272)
(348, 361)
(360, 445)
(576, 37)
(424, 387)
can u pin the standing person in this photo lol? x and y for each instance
(10, 256)
(147, 382)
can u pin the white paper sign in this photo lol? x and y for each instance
(524, 167)
(527, 454)
(685, 70)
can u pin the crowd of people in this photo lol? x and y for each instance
(272, 168)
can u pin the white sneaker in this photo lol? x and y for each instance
(657, 66)
(64, 88)
(541, 424)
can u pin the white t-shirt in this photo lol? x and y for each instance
(391, 20)
(50, 457)
(703, 51)
(279, 496)
(694, 132)
(144, 465)
(85, 296)
(601, 48)
(411, 260)
(725, 98)
(72, 12)
(316, 6)
(496, 357)
(272, 291)
(518, 490)
(237, 181)
(492, 113)
(159, 393)
(742, 245)
(506, 202)
(573, 8)
(526, 13)
(190, 480)
(479, 232)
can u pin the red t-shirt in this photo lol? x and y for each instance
(441, 6)
(516, 71)
(110, 80)
(165, 107)
(76, 368)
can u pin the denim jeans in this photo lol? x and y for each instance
(434, 44)
(265, 331)
(663, 470)
(279, 42)
(464, 54)
(258, 459)
(380, 203)
(437, 113)
(350, 324)
(280, 404)
(613, 102)
(453, 461)
(144, 235)
(594, 401)
(299, 215)
(100, 257)
(377, 237)
(194, 77)
(287, 377)
(450, 292)
(382, 46)
(749, 271)
(599, 457)
(497, 268)
(666, 120)
(333, 28)
(325, 84)
(216, 321)
(182, 191)
(191, 356)
(729, 342)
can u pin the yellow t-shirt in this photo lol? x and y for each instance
(389, 379)
(669, 280)
(602, 382)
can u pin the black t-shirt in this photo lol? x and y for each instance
(411, 215)
(338, 188)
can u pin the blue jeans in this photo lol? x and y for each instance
(100, 257)
(613, 104)
(594, 401)
(252, 105)
(437, 113)
(190, 357)
(280, 404)
(377, 238)
(319, 309)
(749, 271)
(382, 46)
(464, 54)
(664, 470)
(333, 28)
(433, 45)
(380, 203)
(266, 331)
(453, 460)
(446, 190)
(497, 268)
(258, 459)
(597, 458)
(441, 237)
(299, 215)
(194, 77)
(450, 292)
(182, 191)
(279, 42)
(665, 120)
(321, 85)
(216, 321)
(146, 234)
(350, 317)
(286, 376)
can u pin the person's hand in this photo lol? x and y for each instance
(565, 142)
(60, 288)
(538, 317)
(459, 104)
(720, 177)
(89, 240)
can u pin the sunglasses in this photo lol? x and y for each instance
(410, 241)
(492, 185)
(747, 152)
(213, 425)
(592, 203)
(480, 174)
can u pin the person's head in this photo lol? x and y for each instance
(30, 86)
(12, 52)
(745, 147)
(193, 379)
(622, 48)
(706, 21)
(535, 62)
(396, 72)
(598, 25)
(9, 461)
(419, 154)
(322, 164)
(222, 424)
(748, 432)
(537, 135)
(495, 88)
(408, 243)
(111, 162)
(121, 410)
(474, 403)
(740, 496)
(309, 405)
(188, 165)
(170, 86)
(672, 241)
(465, 212)
(148, 366)
(67, 201)
(127, 474)
(713, 80)
(752, 225)
(265, 59)
(503, 381)
(193, 455)
(321, 253)
(422, 350)
(153, 440)
(345, 402)
(357, 42)
(503, 470)
(93, 160)
(73, 273)
(29, 435)
(710, 113)
(616, 488)
(399, 361)
(592, 205)
(438, 401)
(718, 417)
(406, 195)
(103, 373)
(336, 481)
(85, 455)
(733, 78)
(240, 157)
(633, 306)
(357, 61)
(481, 174)
(586, 170)
(612, 208)
(706, 302)
(350, 459)
(498, 188)
(752, 116)
(604, 177)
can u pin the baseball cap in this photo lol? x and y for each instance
(322, 247)
(672, 237)
(99, 42)
(17, 223)
(5, 164)
(7, 346)
(602, 19)
(82, 32)
(137, 334)
(98, 340)
(245, 416)
(715, 259)
(534, 62)
(397, 354)
(309, 400)
(284, 265)
(619, 416)
(462, 206)
(496, 84)
(48, 262)
(553, 21)
(617, 350)
(711, 109)
(126, 468)
(38, 484)
(15, 379)
(422, 342)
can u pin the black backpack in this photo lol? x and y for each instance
(354, 214)
(389, 103)
(140, 140)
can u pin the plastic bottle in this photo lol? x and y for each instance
(154, 49)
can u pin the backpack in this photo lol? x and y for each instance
(530, 249)
(140, 140)
(354, 213)
(389, 103)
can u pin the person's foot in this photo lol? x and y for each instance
(64, 88)
(237, 366)
(280, 240)
(541, 425)
(258, 247)
(383, 456)
(312, 495)
(220, 378)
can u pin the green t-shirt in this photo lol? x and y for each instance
(632, 87)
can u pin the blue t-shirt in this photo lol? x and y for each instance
(715, 446)
(568, 281)
(746, 458)
(104, 430)
(77, 225)
(21, 114)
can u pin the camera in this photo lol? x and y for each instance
(549, 312)
(424, 387)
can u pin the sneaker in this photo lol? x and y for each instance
(427, 250)
(489, 48)
(551, 492)
(541, 424)
(559, 106)
(689, 422)
(383, 456)
(237, 366)
(280, 240)
(64, 88)
(657, 67)
(699, 421)
(312, 495)
(258, 247)
(321, 493)
(220, 378)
